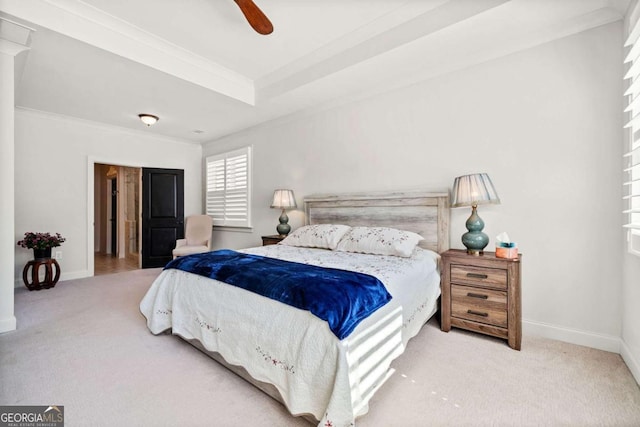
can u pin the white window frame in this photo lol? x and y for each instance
(226, 200)
(631, 168)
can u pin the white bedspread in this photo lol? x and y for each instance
(290, 348)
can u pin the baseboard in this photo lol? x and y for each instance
(632, 363)
(8, 324)
(80, 274)
(574, 336)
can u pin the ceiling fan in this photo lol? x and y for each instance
(255, 17)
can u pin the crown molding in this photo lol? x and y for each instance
(14, 37)
(389, 82)
(412, 22)
(101, 125)
(78, 20)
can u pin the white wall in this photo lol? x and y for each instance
(545, 124)
(52, 177)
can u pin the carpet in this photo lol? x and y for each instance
(85, 345)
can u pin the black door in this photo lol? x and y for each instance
(162, 214)
(114, 215)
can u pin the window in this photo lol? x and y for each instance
(229, 188)
(631, 169)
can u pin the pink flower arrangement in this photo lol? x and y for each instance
(40, 240)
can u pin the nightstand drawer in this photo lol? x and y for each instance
(489, 277)
(479, 305)
(272, 240)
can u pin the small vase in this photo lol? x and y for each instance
(41, 253)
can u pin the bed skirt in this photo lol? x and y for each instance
(266, 388)
(270, 389)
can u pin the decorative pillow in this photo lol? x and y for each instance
(379, 241)
(324, 236)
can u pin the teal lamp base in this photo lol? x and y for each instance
(283, 228)
(475, 240)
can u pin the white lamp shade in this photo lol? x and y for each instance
(474, 189)
(283, 199)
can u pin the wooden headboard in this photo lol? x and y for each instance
(422, 212)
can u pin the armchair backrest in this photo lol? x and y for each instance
(197, 230)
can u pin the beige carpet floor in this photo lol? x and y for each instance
(85, 345)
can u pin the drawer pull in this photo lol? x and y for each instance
(477, 276)
(477, 313)
(481, 296)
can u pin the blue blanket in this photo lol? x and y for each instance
(342, 298)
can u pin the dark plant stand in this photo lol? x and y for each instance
(51, 274)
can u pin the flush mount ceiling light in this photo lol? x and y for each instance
(148, 119)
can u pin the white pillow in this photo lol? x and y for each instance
(324, 236)
(379, 241)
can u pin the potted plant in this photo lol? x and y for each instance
(41, 243)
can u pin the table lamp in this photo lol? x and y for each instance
(283, 199)
(473, 190)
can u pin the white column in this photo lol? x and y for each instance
(8, 51)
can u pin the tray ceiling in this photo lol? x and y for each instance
(199, 66)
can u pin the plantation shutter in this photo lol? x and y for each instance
(228, 199)
(631, 169)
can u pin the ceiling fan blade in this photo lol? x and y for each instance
(255, 17)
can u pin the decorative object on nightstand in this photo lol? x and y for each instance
(482, 294)
(473, 190)
(272, 240)
(505, 248)
(283, 199)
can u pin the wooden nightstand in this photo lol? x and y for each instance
(272, 240)
(482, 294)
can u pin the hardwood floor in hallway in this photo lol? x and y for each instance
(108, 264)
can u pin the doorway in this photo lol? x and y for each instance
(116, 218)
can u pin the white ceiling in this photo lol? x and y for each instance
(198, 65)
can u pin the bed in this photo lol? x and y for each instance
(293, 355)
